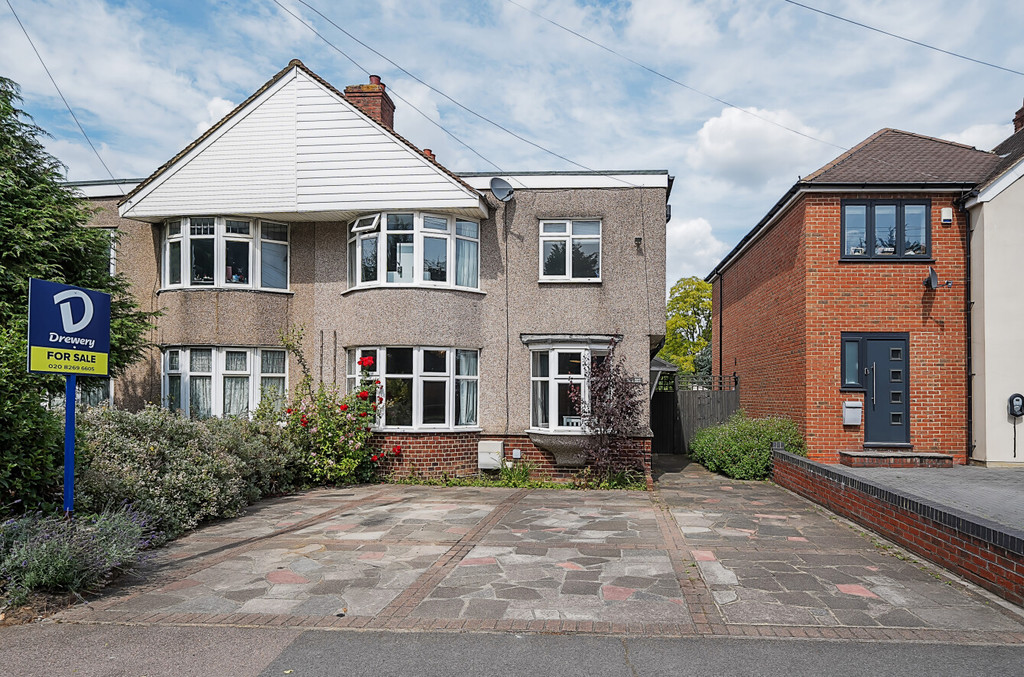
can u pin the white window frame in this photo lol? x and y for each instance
(221, 237)
(548, 233)
(217, 373)
(367, 227)
(380, 371)
(554, 379)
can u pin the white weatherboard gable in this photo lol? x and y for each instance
(301, 153)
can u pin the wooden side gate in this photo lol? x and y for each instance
(704, 401)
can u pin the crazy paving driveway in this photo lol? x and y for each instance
(701, 555)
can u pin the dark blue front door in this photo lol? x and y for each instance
(886, 397)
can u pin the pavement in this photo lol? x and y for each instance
(700, 558)
(994, 494)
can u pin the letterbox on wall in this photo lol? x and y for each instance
(853, 412)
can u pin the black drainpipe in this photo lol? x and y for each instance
(968, 307)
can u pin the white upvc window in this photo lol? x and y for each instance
(570, 250)
(225, 252)
(556, 374)
(205, 381)
(424, 388)
(413, 249)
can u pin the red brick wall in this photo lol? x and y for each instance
(990, 566)
(873, 297)
(788, 299)
(762, 327)
(433, 455)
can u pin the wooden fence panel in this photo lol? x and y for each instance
(704, 404)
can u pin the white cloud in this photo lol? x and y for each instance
(982, 137)
(216, 108)
(749, 151)
(691, 249)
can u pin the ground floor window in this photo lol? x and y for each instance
(558, 385)
(205, 381)
(424, 388)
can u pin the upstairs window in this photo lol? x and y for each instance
(416, 249)
(886, 230)
(227, 252)
(570, 251)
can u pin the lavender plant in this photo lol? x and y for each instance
(50, 553)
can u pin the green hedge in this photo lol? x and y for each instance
(741, 447)
(180, 471)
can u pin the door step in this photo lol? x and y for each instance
(885, 458)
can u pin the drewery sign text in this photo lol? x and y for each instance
(68, 329)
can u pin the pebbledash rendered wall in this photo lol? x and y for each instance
(511, 304)
(788, 298)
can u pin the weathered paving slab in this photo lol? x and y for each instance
(700, 555)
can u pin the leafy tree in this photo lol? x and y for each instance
(688, 335)
(41, 235)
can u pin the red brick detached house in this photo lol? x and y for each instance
(824, 313)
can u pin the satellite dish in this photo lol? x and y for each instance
(932, 281)
(501, 189)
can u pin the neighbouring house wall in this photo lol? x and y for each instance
(997, 333)
(136, 255)
(886, 297)
(758, 321)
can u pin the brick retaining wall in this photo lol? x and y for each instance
(981, 551)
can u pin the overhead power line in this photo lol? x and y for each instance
(900, 37)
(674, 81)
(436, 91)
(66, 104)
(397, 96)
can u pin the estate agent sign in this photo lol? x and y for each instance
(68, 333)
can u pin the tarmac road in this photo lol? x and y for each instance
(156, 651)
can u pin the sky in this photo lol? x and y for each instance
(146, 78)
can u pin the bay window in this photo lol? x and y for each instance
(417, 250)
(558, 384)
(213, 381)
(426, 388)
(227, 252)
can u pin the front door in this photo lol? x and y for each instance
(886, 397)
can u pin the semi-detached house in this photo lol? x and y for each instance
(303, 207)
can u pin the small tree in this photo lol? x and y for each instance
(42, 236)
(612, 415)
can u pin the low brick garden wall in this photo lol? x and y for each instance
(433, 455)
(984, 553)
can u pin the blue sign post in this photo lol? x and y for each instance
(68, 333)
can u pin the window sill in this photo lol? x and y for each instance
(428, 431)
(286, 292)
(467, 290)
(546, 281)
(879, 259)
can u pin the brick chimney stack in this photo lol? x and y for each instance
(429, 153)
(373, 100)
(1018, 120)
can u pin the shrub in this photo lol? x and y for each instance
(53, 554)
(30, 435)
(333, 431)
(741, 447)
(612, 416)
(179, 470)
